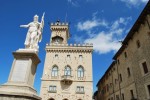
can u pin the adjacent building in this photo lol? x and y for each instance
(67, 73)
(128, 76)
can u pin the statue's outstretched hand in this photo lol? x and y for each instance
(25, 26)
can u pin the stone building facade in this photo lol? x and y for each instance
(128, 76)
(67, 73)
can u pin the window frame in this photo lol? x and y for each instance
(52, 88)
(120, 77)
(141, 67)
(125, 54)
(138, 44)
(80, 73)
(80, 57)
(54, 73)
(129, 72)
(145, 68)
(80, 89)
(67, 70)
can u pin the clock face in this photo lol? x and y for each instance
(57, 39)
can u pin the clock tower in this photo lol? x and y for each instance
(67, 73)
(60, 33)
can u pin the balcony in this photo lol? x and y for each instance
(52, 91)
(66, 79)
(80, 92)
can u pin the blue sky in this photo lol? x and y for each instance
(101, 22)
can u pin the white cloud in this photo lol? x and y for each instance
(76, 3)
(73, 2)
(134, 2)
(121, 20)
(115, 25)
(104, 43)
(108, 40)
(118, 23)
(89, 24)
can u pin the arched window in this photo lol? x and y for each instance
(55, 71)
(67, 71)
(80, 71)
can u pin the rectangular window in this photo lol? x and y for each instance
(122, 96)
(104, 89)
(128, 70)
(120, 76)
(118, 61)
(111, 84)
(106, 76)
(117, 97)
(132, 95)
(56, 56)
(80, 89)
(68, 56)
(125, 54)
(111, 98)
(145, 69)
(54, 73)
(148, 89)
(116, 81)
(80, 57)
(52, 88)
(107, 87)
(138, 44)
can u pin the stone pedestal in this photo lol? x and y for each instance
(21, 78)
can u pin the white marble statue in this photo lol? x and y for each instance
(34, 34)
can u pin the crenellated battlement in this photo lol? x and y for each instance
(59, 26)
(71, 45)
(58, 23)
(60, 32)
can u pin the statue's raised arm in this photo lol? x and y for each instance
(25, 26)
(34, 33)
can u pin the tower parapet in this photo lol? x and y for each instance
(60, 32)
(72, 45)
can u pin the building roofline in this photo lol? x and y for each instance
(134, 29)
(112, 64)
(129, 36)
(95, 93)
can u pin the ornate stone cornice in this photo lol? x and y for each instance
(85, 48)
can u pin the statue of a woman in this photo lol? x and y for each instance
(34, 34)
